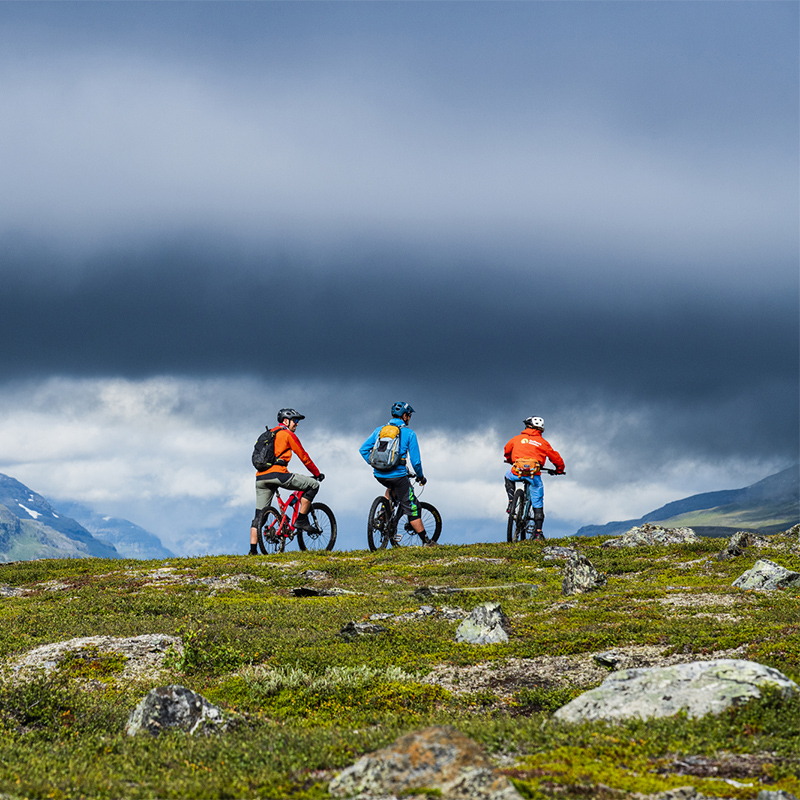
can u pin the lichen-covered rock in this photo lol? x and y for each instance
(439, 758)
(556, 552)
(486, 624)
(698, 688)
(767, 576)
(581, 576)
(648, 534)
(174, 707)
(739, 542)
(355, 630)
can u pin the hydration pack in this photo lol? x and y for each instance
(264, 452)
(385, 454)
(525, 467)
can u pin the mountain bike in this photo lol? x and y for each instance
(277, 526)
(520, 520)
(383, 525)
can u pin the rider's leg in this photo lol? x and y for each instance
(309, 486)
(538, 521)
(511, 487)
(264, 494)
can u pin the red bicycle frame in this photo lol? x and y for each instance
(290, 507)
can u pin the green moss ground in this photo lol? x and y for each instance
(310, 703)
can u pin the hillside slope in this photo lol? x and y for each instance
(31, 528)
(768, 506)
(322, 657)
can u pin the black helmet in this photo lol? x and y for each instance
(289, 413)
(398, 409)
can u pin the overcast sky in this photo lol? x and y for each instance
(582, 210)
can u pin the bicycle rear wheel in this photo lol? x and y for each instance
(378, 524)
(322, 518)
(408, 537)
(516, 519)
(270, 534)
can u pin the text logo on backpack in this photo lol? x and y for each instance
(385, 454)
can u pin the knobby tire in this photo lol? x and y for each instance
(378, 524)
(321, 517)
(516, 519)
(431, 519)
(270, 535)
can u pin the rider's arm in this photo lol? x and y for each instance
(413, 453)
(366, 448)
(507, 451)
(555, 457)
(297, 448)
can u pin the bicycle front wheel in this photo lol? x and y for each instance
(378, 524)
(270, 534)
(432, 521)
(516, 518)
(322, 518)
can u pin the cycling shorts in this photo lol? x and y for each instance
(402, 494)
(535, 487)
(268, 483)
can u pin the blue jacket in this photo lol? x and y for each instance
(408, 449)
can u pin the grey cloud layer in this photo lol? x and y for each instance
(589, 209)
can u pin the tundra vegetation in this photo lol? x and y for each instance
(307, 702)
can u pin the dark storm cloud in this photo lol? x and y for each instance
(468, 339)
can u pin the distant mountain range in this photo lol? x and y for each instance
(31, 528)
(769, 506)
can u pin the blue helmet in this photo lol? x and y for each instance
(398, 409)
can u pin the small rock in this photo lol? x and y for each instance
(609, 659)
(354, 630)
(174, 707)
(580, 576)
(766, 794)
(315, 574)
(766, 576)
(311, 591)
(440, 758)
(425, 592)
(486, 624)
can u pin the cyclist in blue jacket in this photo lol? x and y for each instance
(396, 479)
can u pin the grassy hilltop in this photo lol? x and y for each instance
(311, 702)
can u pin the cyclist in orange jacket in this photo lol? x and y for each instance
(278, 476)
(527, 454)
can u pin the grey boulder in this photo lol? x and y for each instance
(486, 624)
(581, 576)
(648, 534)
(174, 707)
(766, 576)
(698, 688)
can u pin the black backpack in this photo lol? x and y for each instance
(264, 452)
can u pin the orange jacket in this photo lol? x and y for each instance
(531, 444)
(287, 443)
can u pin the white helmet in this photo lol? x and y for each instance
(534, 422)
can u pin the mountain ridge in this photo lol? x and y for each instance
(767, 506)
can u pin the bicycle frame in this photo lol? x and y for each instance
(292, 505)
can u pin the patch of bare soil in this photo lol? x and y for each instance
(505, 678)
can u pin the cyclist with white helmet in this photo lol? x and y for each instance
(527, 454)
(396, 479)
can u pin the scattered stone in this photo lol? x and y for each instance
(766, 576)
(354, 630)
(780, 794)
(739, 542)
(580, 576)
(445, 612)
(144, 655)
(311, 591)
(648, 534)
(486, 624)
(175, 707)
(439, 758)
(426, 592)
(11, 591)
(315, 574)
(698, 688)
(453, 612)
(556, 552)
(609, 659)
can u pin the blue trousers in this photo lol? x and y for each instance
(536, 488)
